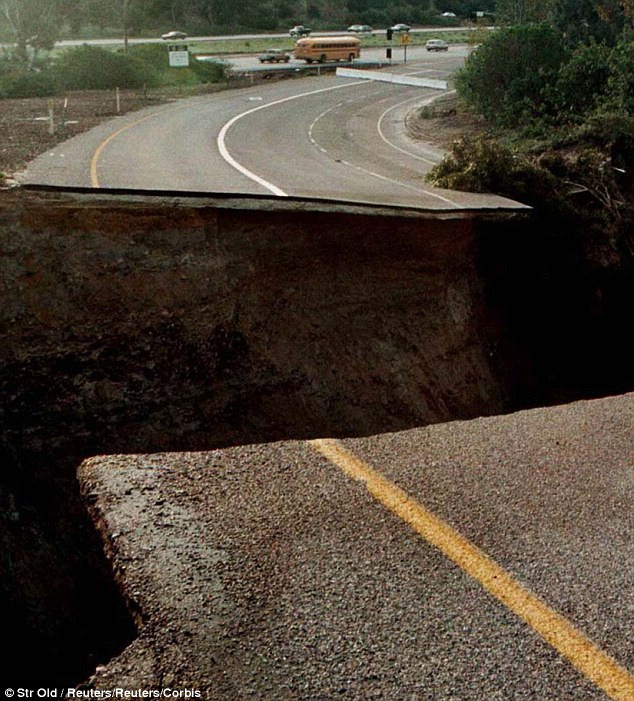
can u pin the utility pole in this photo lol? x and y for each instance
(125, 25)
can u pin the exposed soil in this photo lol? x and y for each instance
(443, 122)
(24, 123)
(153, 326)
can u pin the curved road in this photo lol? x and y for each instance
(317, 137)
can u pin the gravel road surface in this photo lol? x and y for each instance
(265, 572)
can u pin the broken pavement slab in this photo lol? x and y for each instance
(264, 572)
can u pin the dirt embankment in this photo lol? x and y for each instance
(148, 325)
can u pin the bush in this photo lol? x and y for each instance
(483, 165)
(621, 82)
(92, 68)
(605, 129)
(19, 80)
(208, 72)
(154, 66)
(583, 80)
(506, 78)
(151, 61)
(28, 83)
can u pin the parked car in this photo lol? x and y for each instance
(274, 56)
(436, 45)
(401, 28)
(299, 31)
(360, 29)
(171, 36)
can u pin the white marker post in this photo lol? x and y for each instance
(51, 118)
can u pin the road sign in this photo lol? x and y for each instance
(404, 38)
(178, 55)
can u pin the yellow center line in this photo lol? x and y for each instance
(602, 669)
(94, 179)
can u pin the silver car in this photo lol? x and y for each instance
(436, 45)
(171, 36)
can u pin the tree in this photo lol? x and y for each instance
(583, 81)
(507, 78)
(523, 11)
(33, 23)
(583, 20)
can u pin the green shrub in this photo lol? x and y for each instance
(93, 68)
(604, 129)
(506, 78)
(621, 82)
(28, 83)
(20, 80)
(208, 71)
(484, 165)
(583, 79)
(152, 62)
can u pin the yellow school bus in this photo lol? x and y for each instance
(327, 49)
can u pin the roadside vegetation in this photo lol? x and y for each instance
(94, 68)
(548, 115)
(555, 108)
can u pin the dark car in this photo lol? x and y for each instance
(170, 36)
(274, 56)
(300, 31)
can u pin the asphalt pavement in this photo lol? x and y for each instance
(325, 137)
(485, 559)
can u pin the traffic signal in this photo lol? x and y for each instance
(389, 34)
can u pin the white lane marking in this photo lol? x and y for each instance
(409, 187)
(392, 144)
(372, 173)
(317, 118)
(224, 152)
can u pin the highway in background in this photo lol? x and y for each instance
(274, 35)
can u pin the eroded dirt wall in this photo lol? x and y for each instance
(194, 322)
(147, 324)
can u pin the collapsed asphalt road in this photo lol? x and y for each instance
(266, 572)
